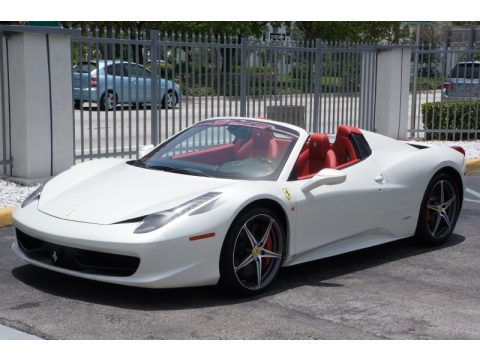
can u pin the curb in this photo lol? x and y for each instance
(473, 166)
(6, 216)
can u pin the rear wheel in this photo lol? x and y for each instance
(170, 99)
(439, 210)
(252, 252)
(108, 101)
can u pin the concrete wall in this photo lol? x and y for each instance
(40, 104)
(392, 92)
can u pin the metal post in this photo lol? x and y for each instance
(154, 83)
(243, 76)
(2, 115)
(317, 85)
(414, 86)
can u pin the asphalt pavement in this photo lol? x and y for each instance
(397, 291)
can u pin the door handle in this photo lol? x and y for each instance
(379, 178)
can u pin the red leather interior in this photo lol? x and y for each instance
(344, 165)
(262, 144)
(342, 147)
(282, 146)
(214, 156)
(315, 157)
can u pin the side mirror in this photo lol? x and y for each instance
(324, 177)
(144, 150)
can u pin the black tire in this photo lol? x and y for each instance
(240, 260)
(110, 102)
(76, 104)
(172, 101)
(438, 213)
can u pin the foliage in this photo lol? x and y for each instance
(427, 83)
(236, 28)
(451, 115)
(372, 32)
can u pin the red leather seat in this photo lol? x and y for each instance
(342, 147)
(316, 157)
(261, 144)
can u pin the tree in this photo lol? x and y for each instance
(374, 32)
(217, 29)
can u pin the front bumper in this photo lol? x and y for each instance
(166, 261)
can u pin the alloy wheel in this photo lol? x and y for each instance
(441, 209)
(171, 99)
(257, 253)
(110, 101)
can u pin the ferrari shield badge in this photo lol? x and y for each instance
(287, 193)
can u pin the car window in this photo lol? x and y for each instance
(466, 71)
(116, 69)
(84, 67)
(135, 70)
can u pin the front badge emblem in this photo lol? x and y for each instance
(54, 257)
(287, 193)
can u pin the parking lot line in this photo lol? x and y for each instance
(7, 333)
(473, 192)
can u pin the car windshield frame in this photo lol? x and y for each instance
(220, 156)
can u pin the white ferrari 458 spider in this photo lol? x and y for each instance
(231, 200)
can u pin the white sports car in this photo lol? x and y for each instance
(231, 200)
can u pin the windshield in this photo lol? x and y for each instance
(230, 148)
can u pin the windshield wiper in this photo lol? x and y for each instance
(177, 170)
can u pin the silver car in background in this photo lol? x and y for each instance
(110, 83)
(463, 81)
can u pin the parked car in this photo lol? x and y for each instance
(463, 81)
(117, 82)
(232, 200)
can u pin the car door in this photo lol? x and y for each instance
(333, 217)
(138, 83)
(115, 75)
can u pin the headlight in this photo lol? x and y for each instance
(157, 220)
(33, 196)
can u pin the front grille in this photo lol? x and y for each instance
(85, 261)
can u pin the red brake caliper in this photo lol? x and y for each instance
(268, 246)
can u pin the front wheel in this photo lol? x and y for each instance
(439, 210)
(252, 252)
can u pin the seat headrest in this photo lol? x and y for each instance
(318, 146)
(261, 137)
(344, 130)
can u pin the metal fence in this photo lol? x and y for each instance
(132, 89)
(5, 136)
(445, 94)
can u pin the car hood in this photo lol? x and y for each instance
(110, 191)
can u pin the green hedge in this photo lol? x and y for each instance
(451, 115)
(343, 79)
(428, 83)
